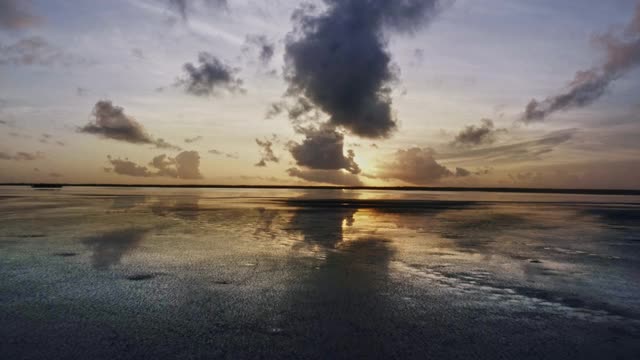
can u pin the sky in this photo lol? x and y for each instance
(504, 93)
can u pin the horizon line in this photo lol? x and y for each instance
(577, 191)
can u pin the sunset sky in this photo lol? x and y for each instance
(340, 92)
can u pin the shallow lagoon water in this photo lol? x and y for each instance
(222, 273)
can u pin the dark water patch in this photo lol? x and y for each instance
(377, 204)
(617, 216)
(109, 248)
(141, 277)
(65, 254)
(30, 236)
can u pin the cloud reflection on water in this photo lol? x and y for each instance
(109, 248)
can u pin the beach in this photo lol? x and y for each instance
(108, 273)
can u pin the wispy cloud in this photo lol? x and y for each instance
(266, 152)
(21, 156)
(17, 14)
(622, 55)
(472, 135)
(36, 50)
(531, 150)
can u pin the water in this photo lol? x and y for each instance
(166, 273)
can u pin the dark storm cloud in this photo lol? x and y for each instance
(416, 166)
(111, 122)
(184, 166)
(210, 77)
(21, 156)
(472, 135)
(266, 152)
(323, 149)
(338, 59)
(16, 14)
(183, 7)
(35, 50)
(622, 55)
(193, 139)
(334, 177)
(264, 47)
(513, 153)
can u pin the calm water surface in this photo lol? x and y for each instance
(166, 273)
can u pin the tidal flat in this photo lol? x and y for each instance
(106, 273)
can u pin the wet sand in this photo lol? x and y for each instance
(107, 273)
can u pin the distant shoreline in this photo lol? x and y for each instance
(381, 188)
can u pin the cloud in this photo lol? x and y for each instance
(513, 153)
(323, 149)
(80, 91)
(265, 48)
(580, 175)
(622, 55)
(184, 6)
(266, 152)
(193, 139)
(21, 156)
(300, 111)
(35, 50)
(210, 77)
(462, 172)
(417, 166)
(222, 153)
(138, 54)
(16, 15)
(111, 122)
(339, 61)
(335, 177)
(19, 135)
(188, 165)
(184, 166)
(472, 135)
(129, 168)
(162, 144)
